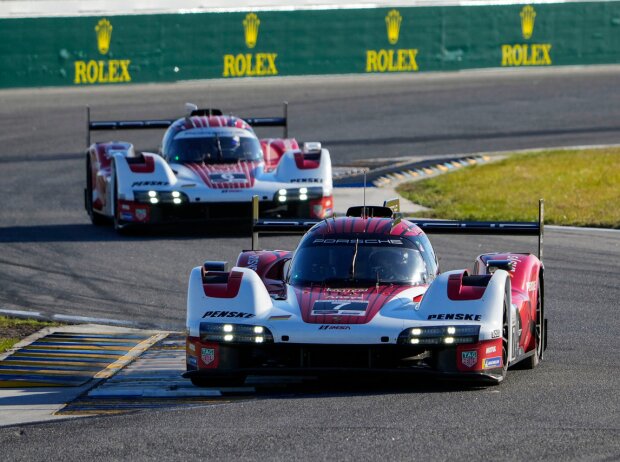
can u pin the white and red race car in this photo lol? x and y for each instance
(363, 294)
(209, 168)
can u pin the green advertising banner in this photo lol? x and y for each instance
(168, 47)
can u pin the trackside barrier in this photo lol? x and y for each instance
(125, 49)
(291, 226)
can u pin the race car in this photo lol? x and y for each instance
(208, 168)
(363, 294)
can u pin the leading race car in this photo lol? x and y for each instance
(363, 293)
(209, 167)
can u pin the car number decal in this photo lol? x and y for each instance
(340, 307)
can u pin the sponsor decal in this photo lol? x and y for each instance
(307, 180)
(495, 334)
(491, 349)
(359, 241)
(250, 64)
(127, 216)
(455, 316)
(488, 363)
(141, 214)
(253, 262)
(227, 314)
(532, 286)
(149, 183)
(395, 59)
(283, 317)
(469, 358)
(340, 307)
(333, 327)
(191, 360)
(102, 71)
(207, 355)
(228, 177)
(527, 54)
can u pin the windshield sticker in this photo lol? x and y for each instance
(359, 241)
(340, 307)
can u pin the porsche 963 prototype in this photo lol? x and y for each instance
(363, 293)
(209, 167)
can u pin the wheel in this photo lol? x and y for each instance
(505, 332)
(95, 218)
(532, 361)
(119, 225)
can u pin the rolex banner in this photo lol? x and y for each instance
(112, 50)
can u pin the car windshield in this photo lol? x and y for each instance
(214, 149)
(357, 264)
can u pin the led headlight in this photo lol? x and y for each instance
(234, 333)
(160, 197)
(438, 335)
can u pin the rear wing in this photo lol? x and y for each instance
(292, 226)
(111, 125)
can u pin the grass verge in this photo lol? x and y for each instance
(12, 330)
(580, 188)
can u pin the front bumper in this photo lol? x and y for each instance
(227, 360)
(137, 213)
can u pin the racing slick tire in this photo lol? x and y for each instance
(539, 332)
(95, 218)
(119, 225)
(505, 333)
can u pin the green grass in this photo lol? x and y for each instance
(580, 188)
(12, 330)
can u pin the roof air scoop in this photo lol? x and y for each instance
(369, 211)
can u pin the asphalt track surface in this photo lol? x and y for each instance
(52, 260)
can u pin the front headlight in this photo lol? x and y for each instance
(234, 333)
(160, 197)
(439, 335)
(303, 193)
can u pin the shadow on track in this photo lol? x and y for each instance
(366, 387)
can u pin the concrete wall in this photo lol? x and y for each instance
(87, 50)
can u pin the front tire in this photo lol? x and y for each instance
(505, 337)
(119, 225)
(95, 218)
(539, 331)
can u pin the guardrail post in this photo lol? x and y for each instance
(541, 227)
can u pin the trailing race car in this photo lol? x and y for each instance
(209, 167)
(363, 293)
